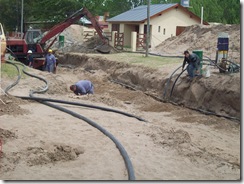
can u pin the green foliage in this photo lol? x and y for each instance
(223, 11)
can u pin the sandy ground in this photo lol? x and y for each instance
(175, 143)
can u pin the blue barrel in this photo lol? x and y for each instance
(223, 44)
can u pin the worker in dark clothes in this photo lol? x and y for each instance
(29, 58)
(193, 61)
(82, 87)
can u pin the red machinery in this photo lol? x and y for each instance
(20, 47)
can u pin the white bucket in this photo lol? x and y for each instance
(206, 71)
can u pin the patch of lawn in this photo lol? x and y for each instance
(140, 59)
(10, 70)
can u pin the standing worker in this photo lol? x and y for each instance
(193, 61)
(82, 87)
(50, 62)
(29, 58)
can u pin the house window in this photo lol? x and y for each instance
(164, 31)
(159, 29)
(115, 27)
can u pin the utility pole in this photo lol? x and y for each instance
(202, 15)
(22, 12)
(148, 26)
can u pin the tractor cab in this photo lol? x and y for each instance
(32, 37)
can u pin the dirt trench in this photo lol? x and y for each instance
(178, 143)
(219, 94)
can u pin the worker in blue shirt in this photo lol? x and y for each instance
(82, 87)
(193, 61)
(50, 62)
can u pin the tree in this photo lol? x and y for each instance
(230, 11)
(117, 8)
(223, 11)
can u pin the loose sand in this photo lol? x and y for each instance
(42, 143)
(175, 143)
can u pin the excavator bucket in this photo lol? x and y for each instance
(103, 48)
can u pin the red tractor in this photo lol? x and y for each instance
(33, 40)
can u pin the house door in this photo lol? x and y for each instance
(179, 30)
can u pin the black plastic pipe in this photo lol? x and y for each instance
(105, 132)
(123, 152)
(200, 110)
(176, 81)
(16, 82)
(81, 104)
(167, 85)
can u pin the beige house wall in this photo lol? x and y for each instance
(164, 26)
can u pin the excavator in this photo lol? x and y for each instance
(33, 39)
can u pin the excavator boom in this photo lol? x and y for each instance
(62, 26)
(73, 18)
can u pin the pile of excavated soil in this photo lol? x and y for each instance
(202, 37)
(74, 41)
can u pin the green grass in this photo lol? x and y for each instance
(10, 70)
(154, 61)
(140, 59)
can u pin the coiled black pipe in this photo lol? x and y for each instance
(201, 110)
(171, 92)
(61, 101)
(215, 64)
(176, 81)
(105, 132)
(81, 104)
(16, 82)
(167, 85)
(123, 152)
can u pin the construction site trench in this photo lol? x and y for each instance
(177, 142)
(218, 95)
(191, 132)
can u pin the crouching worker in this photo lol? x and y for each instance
(82, 87)
(193, 61)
